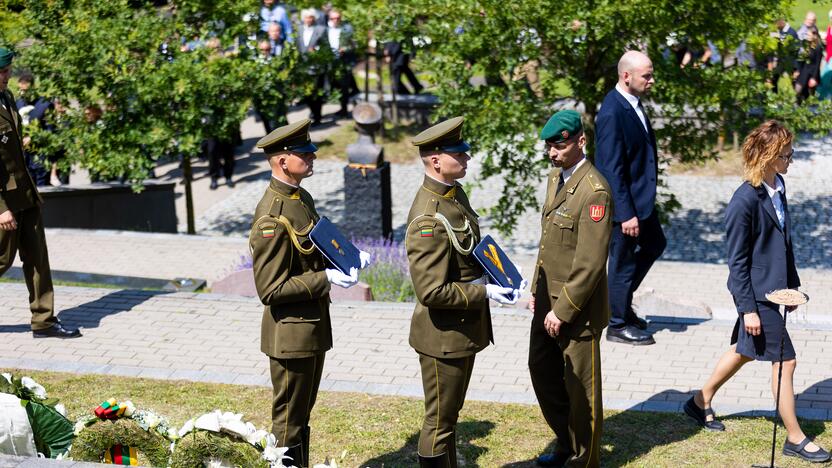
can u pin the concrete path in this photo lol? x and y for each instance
(214, 338)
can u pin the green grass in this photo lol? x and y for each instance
(820, 7)
(378, 431)
(396, 143)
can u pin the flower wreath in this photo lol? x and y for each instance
(51, 430)
(118, 433)
(220, 439)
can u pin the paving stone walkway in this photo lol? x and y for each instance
(213, 338)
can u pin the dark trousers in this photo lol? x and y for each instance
(343, 79)
(316, 100)
(630, 260)
(445, 382)
(30, 240)
(402, 67)
(294, 390)
(220, 155)
(566, 377)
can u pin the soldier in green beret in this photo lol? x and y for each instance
(569, 296)
(21, 224)
(452, 321)
(293, 282)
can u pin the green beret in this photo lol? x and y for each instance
(6, 57)
(445, 136)
(293, 137)
(561, 126)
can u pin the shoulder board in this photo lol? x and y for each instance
(276, 208)
(596, 184)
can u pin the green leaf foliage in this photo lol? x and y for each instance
(475, 51)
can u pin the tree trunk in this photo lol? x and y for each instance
(589, 129)
(187, 175)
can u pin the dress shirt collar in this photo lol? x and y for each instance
(633, 100)
(778, 187)
(567, 173)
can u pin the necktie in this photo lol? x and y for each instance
(560, 183)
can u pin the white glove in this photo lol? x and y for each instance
(345, 281)
(523, 285)
(499, 293)
(365, 258)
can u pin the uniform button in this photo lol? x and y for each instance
(541, 246)
(544, 232)
(540, 262)
(461, 320)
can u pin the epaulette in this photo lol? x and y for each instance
(276, 209)
(596, 184)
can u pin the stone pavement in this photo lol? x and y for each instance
(213, 338)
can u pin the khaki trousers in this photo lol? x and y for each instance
(294, 389)
(30, 240)
(445, 382)
(566, 376)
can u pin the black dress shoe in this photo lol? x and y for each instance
(214, 184)
(557, 459)
(631, 335)
(701, 416)
(636, 321)
(799, 451)
(57, 331)
(229, 182)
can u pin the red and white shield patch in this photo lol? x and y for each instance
(596, 212)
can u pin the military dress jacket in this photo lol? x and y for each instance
(17, 189)
(572, 261)
(289, 274)
(452, 318)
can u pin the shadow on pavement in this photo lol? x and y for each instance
(90, 314)
(698, 236)
(468, 453)
(660, 323)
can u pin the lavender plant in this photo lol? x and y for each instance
(389, 274)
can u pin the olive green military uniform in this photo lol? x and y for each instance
(289, 274)
(19, 195)
(451, 321)
(570, 279)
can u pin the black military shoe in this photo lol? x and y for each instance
(631, 335)
(436, 461)
(57, 331)
(229, 182)
(214, 184)
(557, 459)
(799, 451)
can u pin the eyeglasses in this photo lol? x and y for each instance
(787, 157)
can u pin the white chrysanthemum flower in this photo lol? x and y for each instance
(60, 408)
(129, 408)
(34, 387)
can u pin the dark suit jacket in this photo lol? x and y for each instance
(17, 189)
(626, 156)
(760, 256)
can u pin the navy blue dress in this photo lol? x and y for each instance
(760, 260)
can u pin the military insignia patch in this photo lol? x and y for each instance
(268, 233)
(596, 212)
(564, 134)
(426, 232)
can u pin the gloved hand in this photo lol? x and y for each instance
(365, 258)
(499, 293)
(345, 281)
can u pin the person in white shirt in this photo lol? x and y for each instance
(340, 36)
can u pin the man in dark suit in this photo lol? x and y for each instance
(625, 153)
(399, 61)
(21, 225)
(312, 39)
